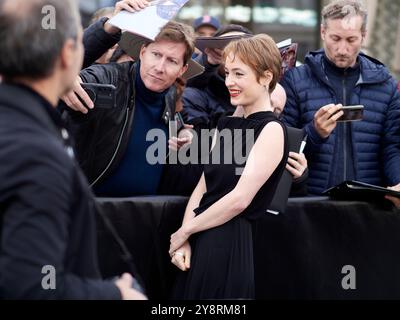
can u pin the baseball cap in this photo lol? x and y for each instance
(206, 21)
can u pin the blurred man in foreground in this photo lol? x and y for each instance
(48, 231)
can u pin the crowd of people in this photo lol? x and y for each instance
(58, 149)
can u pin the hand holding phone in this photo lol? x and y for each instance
(351, 113)
(102, 95)
(179, 133)
(77, 98)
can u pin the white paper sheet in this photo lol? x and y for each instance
(150, 20)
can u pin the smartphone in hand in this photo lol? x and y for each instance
(102, 95)
(179, 121)
(351, 113)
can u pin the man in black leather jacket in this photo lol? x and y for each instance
(111, 143)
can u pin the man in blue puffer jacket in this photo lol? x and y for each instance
(367, 150)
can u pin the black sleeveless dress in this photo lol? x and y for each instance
(222, 258)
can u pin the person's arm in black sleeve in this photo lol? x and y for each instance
(99, 73)
(82, 125)
(102, 73)
(299, 185)
(97, 41)
(36, 230)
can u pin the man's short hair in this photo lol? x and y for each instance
(180, 33)
(340, 9)
(29, 45)
(260, 53)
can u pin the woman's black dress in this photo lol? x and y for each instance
(222, 258)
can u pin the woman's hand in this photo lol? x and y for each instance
(181, 257)
(297, 164)
(178, 239)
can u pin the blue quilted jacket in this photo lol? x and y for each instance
(376, 139)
